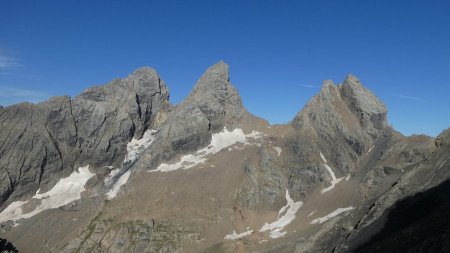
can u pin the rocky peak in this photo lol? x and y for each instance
(328, 91)
(220, 70)
(370, 111)
(347, 114)
(212, 105)
(216, 97)
(215, 86)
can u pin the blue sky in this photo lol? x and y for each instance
(279, 52)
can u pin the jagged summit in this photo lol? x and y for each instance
(220, 70)
(145, 70)
(370, 111)
(214, 87)
(350, 96)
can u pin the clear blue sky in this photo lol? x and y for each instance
(278, 51)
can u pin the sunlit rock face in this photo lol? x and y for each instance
(119, 169)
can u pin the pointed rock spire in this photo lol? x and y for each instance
(212, 105)
(220, 70)
(215, 95)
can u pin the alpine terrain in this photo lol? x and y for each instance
(120, 169)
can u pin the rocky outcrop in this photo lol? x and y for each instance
(443, 138)
(41, 143)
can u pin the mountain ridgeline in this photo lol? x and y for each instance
(120, 169)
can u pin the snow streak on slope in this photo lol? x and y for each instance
(278, 149)
(331, 215)
(235, 236)
(334, 180)
(219, 141)
(119, 177)
(285, 216)
(112, 193)
(136, 146)
(65, 191)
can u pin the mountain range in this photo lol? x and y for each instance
(118, 168)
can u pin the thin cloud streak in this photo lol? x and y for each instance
(7, 62)
(411, 98)
(309, 86)
(9, 95)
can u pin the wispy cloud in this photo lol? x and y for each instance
(7, 62)
(411, 98)
(309, 86)
(9, 95)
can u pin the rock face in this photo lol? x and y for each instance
(370, 111)
(43, 142)
(325, 182)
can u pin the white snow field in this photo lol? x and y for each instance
(285, 216)
(235, 236)
(134, 148)
(334, 180)
(331, 215)
(65, 191)
(219, 141)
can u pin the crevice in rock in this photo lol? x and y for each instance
(55, 144)
(74, 122)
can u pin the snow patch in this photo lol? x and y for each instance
(235, 236)
(334, 180)
(278, 149)
(65, 191)
(112, 193)
(311, 213)
(331, 215)
(134, 148)
(285, 216)
(219, 141)
(370, 149)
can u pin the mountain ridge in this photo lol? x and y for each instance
(204, 174)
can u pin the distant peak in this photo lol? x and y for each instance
(328, 90)
(351, 79)
(144, 71)
(327, 83)
(219, 69)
